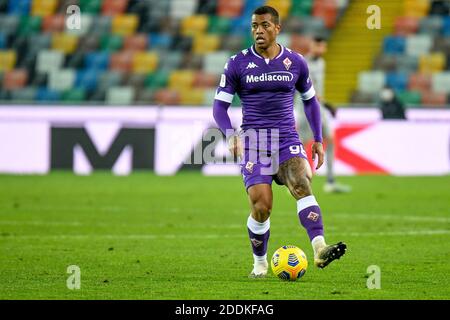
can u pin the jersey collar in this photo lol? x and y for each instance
(253, 50)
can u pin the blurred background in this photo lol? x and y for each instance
(170, 54)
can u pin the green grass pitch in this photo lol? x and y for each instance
(185, 237)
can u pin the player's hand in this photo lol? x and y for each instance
(235, 146)
(317, 148)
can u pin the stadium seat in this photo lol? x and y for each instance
(215, 62)
(62, 79)
(8, 60)
(284, 39)
(208, 97)
(359, 97)
(182, 8)
(96, 60)
(385, 62)
(29, 25)
(125, 24)
(9, 24)
(109, 79)
(15, 79)
(419, 82)
(218, 25)
(159, 40)
(46, 95)
(205, 43)
(434, 62)
(44, 8)
(300, 44)
(75, 60)
(208, 7)
(75, 95)
(229, 8)
(417, 45)
(145, 62)
(327, 10)
(136, 42)
(167, 97)
(239, 25)
(102, 25)
(55, 23)
(121, 61)
(111, 42)
(135, 80)
(145, 96)
(49, 60)
(90, 6)
(409, 97)
(192, 97)
(416, 8)
(371, 81)
(193, 25)
(407, 63)
(301, 8)
(25, 95)
(64, 42)
(39, 79)
(205, 80)
(3, 41)
(233, 43)
(89, 42)
(434, 99)
(156, 80)
(19, 7)
(406, 25)
(87, 79)
(431, 25)
(120, 95)
(440, 82)
(282, 6)
(180, 79)
(170, 60)
(38, 42)
(394, 44)
(114, 7)
(397, 80)
(446, 27)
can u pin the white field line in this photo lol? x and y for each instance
(208, 236)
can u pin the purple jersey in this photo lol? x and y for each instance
(266, 88)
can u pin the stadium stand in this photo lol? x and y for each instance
(172, 52)
(415, 59)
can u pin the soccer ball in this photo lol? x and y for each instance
(289, 263)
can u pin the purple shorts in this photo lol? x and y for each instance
(263, 156)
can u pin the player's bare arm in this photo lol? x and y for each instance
(317, 149)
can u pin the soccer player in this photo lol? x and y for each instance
(265, 76)
(316, 64)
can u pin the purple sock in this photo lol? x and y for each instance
(310, 216)
(259, 233)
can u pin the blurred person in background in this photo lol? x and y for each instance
(391, 107)
(316, 64)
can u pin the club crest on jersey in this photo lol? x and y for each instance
(287, 63)
(313, 216)
(256, 242)
(249, 166)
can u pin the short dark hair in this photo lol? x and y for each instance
(319, 39)
(270, 10)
